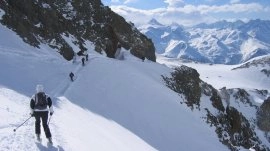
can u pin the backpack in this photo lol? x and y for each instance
(41, 101)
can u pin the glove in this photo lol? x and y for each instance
(32, 114)
(51, 113)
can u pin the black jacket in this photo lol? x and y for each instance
(49, 103)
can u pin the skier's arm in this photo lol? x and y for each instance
(32, 105)
(50, 104)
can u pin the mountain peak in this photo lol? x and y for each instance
(174, 24)
(153, 21)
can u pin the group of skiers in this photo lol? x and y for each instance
(41, 107)
(71, 74)
(41, 103)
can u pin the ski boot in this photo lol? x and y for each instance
(50, 140)
(38, 137)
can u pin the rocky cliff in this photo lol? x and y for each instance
(51, 22)
(233, 113)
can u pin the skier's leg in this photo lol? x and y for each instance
(45, 125)
(37, 123)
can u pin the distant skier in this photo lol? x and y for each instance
(74, 58)
(86, 57)
(71, 75)
(143, 58)
(83, 61)
(39, 109)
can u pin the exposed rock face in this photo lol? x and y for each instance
(185, 81)
(233, 129)
(243, 96)
(51, 21)
(263, 116)
(216, 101)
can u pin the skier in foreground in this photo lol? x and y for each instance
(39, 109)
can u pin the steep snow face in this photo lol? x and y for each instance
(22, 66)
(127, 94)
(161, 35)
(72, 127)
(111, 105)
(175, 48)
(250, 47)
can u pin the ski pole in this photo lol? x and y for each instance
(49, 120)
(21, 124)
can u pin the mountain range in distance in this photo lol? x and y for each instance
(221, 42)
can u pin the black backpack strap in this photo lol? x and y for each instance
(36, 99)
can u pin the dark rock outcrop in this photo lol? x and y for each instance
(50, 21)
(263, 116)
(232, 128)
(185, 80)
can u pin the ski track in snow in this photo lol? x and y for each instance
(9, 139)
(21, 67)
(149, 120)
(19, 140)
(65, 83)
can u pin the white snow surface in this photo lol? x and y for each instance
(45, 5)
(249, 46)
(111, 105)
(220, 75)
(175, 49)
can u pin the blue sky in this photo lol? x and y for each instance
(190, 12)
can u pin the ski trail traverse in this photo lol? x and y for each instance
(24, 138)
(66, 82)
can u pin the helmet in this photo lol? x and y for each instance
(39, 88)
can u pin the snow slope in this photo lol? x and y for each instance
(22, 68)
(112, 104)
(219, 75)
(249, 78)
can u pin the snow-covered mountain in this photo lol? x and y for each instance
(111, 105)
(219, 43)
(240, 87)
(86, 20)
(125, 104)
